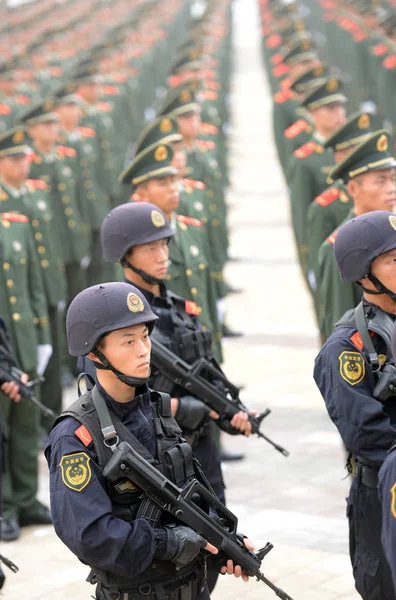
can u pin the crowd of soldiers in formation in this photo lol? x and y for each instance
(96, 99)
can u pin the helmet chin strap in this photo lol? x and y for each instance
(381, 289)
(127, 379)
(145, 276)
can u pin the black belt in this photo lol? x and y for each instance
(368, 475)
(190, 591)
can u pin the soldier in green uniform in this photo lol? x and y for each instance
(154, 180)
(24, 310)
(310, 165)
(11, 102)
(54, 164)
(369, 176)
(94, 202)
(332, 206)
(31, 198)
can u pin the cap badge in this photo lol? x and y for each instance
(161, 154)
(18, 137)
(305, 45)
(332, 85)
(134, 303)
(165, 126)
(318, 71)
(157, 219)
(47, 106)
(364, 122)
(185, 96)
(392, 221)
(382, 143)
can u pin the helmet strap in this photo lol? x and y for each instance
(127, 379)
(381, 289)
(145, 276)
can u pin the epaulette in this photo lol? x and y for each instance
(280, 70)
(104, 106)
(273, 41)
(276, 59)
(380, 50)
(209, 128)
(14, 218)
(332, 238)
(389, 62)
(206, 144)
(283, 96)
(305, 150)
(87, 131)
(357, 340)
(83, 435)
(194, 184)
(192, 308)
(110, 90)
(295, 129)
(208, 95)
(189, 221)
(66, 151)
(328, 196)
(5, 109)
(37, 184)
(22, 99)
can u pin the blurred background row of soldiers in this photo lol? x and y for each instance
(331, 67)
(96, 98)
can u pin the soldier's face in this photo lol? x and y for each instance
(162, 192)
(375, 190)
(179, 160)
(384, 268)
(151, 258)
(70, 115)
(329, 118)
(128, 350)
(189, 125)
(45, 133)
(14, 169)
(89, 92)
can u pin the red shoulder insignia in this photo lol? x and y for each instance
(22, 99)
(208, 128)
(305, 150)
(280, 70)
(36, 158)
(273, 41)
(328, 16)
(295, 129)
(213, 85)
(209, 95)
(66, 151)
(192, 308)
(357, 340)
(5, 109)
(283, 96)
(189, 220)
(359, 36)
(87, 131)
(332, 238)
(194, 184)
(119, 77)
(37, 184)
(14, 217)
(83, 435)
(206, 144)
(379, 50)
(285, 83)
(328, 196)
(111, 90)
(390, 62)
(276, 59)
(105, 106)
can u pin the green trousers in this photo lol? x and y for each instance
(51, 389)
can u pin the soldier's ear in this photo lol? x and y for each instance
(352, 187)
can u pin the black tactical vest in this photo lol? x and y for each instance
(174, 460)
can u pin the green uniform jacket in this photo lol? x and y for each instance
(307, 174)
(23, 303)
(336, 296)
(284, 114)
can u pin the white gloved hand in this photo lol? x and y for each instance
(85, 262)
(44, 353)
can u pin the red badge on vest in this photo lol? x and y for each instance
(192, 308)
(83, 434)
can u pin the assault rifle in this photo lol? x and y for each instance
(163, 495)
(196, 380)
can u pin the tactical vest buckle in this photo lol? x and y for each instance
(143, 588)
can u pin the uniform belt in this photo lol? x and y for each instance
(368, 475)
(190, 591)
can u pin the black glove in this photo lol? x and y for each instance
(225, 425)
(183, 545)
(191, 412)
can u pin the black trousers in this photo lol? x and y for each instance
(373, 579)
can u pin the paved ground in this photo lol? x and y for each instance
(296, 503)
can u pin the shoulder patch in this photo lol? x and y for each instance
(332, 238)
(76, 470)
(390, 62)
(328, 196)
(352, 367)
(66, 151)
(194, 184)
(379, 50)
(5, 109)
(14, 218)
(273, 41)
(37, 184)
(188, 221)
(357, 340)
(83, 435)
(305, 150)
(296, 128)
(87, 131)
(192, 308)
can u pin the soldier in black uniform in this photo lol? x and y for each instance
(98, 520)
(348, 371)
